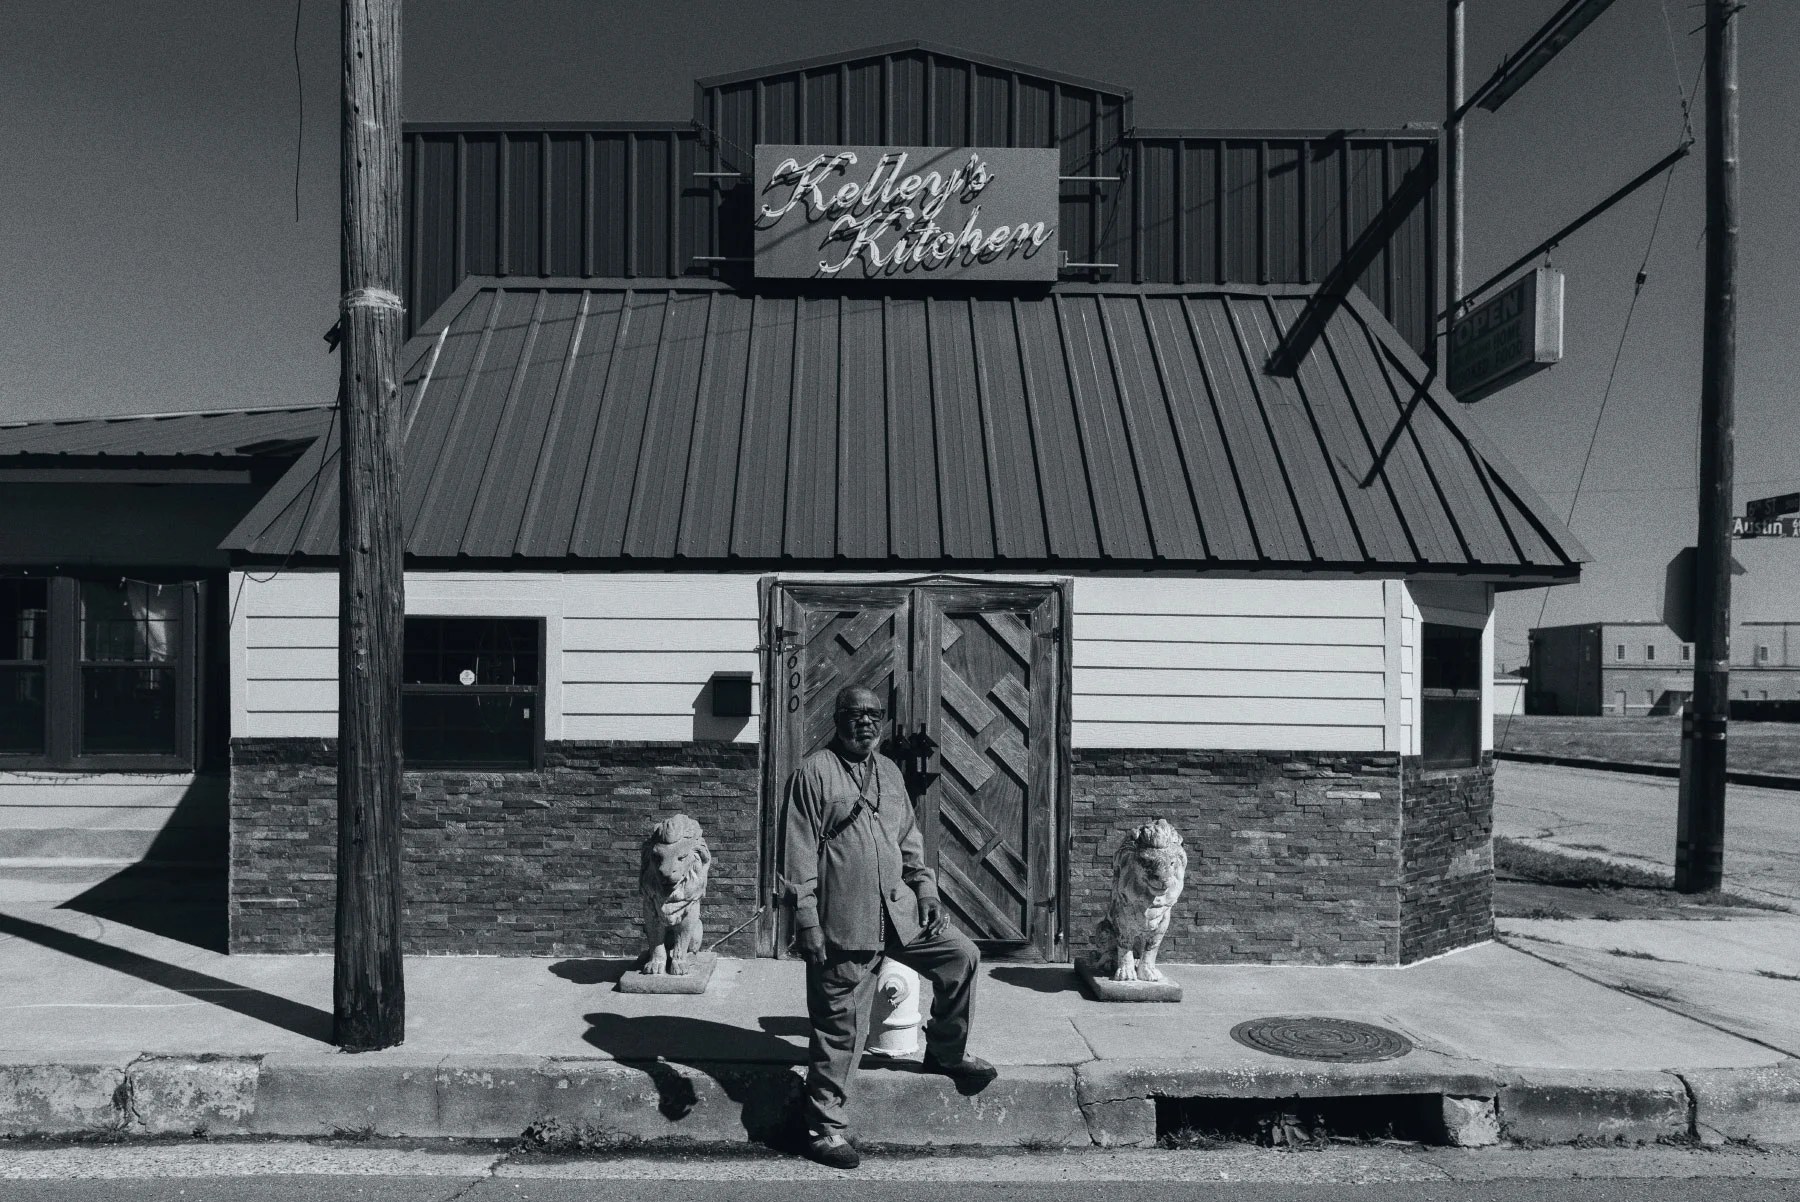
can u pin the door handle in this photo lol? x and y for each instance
(914, 752)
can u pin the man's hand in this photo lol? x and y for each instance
(811, 943)
(931, 915)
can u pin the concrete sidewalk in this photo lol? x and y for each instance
(108, 1026)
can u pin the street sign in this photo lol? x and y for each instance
(1747, 527)
(1678, 592)
(1766, 509)
(906, 212)
(1517, 334)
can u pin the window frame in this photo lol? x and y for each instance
(1649, 653)
(1432, 697)
(1619, 653)
(540, 690)
(64, 714)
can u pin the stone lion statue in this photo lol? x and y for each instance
(1149, 870)
(672, 872)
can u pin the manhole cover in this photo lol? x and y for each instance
(1304, 1038)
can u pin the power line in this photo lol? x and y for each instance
(312, 495)
(300, 91)
(1612, 375)
(1682, 95)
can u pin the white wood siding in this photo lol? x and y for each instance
(627, 656)
(90, 800)
(1277, 665)
(1159, 661)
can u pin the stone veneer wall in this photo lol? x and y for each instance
(1293, 857)
(510, 863)
(1447, 842)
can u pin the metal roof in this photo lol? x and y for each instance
(1107, 425)
(230, 433)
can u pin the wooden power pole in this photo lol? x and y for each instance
(1700, 845)
(368, 990)
(1453, 174)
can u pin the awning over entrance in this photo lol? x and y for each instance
(1105, 426)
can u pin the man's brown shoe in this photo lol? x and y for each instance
(969, 1070)
(833, 1152)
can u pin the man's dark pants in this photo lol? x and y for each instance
(838, 993)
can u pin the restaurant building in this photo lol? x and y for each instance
(1110, 456)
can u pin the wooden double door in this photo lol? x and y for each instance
(974, 678)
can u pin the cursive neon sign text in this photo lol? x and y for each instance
(890, 221)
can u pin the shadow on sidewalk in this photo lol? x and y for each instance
(179, 889)
(270, 1008)
(593, 971)
(796, 1025)
(739, 1060)
(1051, 978)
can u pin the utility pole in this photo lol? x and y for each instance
(1700, 845)
(1453, 174)
(368, 990)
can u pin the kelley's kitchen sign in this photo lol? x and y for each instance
(898, 212)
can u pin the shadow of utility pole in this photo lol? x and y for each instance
(1414, 187)
(301, 1019)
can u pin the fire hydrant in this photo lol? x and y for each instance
(894, 1017)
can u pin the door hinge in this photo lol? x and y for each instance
(779, 644)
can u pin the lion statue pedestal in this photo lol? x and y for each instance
(1149, 870)
(672, 872)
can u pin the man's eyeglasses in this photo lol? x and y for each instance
(873, 715)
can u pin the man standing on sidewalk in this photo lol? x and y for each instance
(857, 876)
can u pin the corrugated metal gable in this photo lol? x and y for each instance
(660, 199)
(1128, 425)
(861, 498)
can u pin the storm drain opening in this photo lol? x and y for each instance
(1300, 1122)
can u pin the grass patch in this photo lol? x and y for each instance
(1534, 882)
(1752, 746)
(1518, 861)
(1647, 991)
(1631, 955)
(1777, 976)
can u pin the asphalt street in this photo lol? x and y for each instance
(430, 1190)
(299, 1172)
(1634, 817)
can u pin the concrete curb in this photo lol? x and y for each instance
(1558, 1106)
(1759, 780)
(1748, 1103)
(597, 1102)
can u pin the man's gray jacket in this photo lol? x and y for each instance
(874, 862)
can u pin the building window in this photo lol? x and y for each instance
(472, 695)
(97, 673)
(24, 625)
(1450, 709)
(1619, 651)
(1687, 652)
(1650, 652)
(1762, 654)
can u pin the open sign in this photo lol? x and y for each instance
(1517, 334)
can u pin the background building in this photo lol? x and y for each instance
(1643, 668)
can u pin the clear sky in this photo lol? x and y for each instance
(153, 259)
